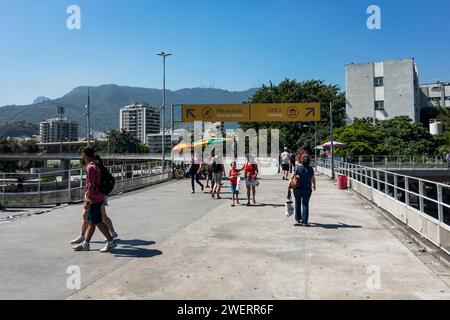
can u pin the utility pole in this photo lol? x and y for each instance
(88, 118)
(315, 142)
(61, 113)
(164, 55)
(332, 141)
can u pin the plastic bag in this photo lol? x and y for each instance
(289, 208)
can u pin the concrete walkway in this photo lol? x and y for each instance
(257, 253)
(193, 247)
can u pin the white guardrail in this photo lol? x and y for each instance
(67, 186)
(421, 204)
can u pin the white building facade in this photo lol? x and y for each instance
(382, 90)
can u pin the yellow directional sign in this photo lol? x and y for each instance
(285, 112)
(216, 113)
(257, 112)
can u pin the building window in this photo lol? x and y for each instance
(379, 81)
(379, 105)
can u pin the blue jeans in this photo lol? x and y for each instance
(302, 205)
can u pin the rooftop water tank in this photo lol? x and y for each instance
(436, 127)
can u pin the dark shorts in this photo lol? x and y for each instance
(285, 166)
(234, 189)
(94, 215)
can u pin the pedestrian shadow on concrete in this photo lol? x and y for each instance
(135, 242)
(273, 205)
(133, 249)
(135, 252)
(131, 243)
(332, 226)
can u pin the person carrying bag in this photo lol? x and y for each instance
(289, 209)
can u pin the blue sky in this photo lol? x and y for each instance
(228, 44)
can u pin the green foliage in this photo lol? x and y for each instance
(48, 179)
(398, 136)
(442, 142)
(296, 135)
(360, 138)
(121, 141)
(8, 145)
(19, 129)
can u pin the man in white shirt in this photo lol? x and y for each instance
(285, 163)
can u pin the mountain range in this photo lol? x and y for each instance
(106, 100)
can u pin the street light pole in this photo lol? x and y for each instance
(164, 55)
(88, 119)
(60, 112)
(332, 141)
(315, 142)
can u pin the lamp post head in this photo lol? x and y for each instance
(164, 54)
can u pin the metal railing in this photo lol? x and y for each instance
(428, 198)
(78, 156)
(435, 162)
(67, 186)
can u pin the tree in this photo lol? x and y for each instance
(121, 141)
(6, 147)
(296, 135)
(399, 136)
(402, 136)
(442, 142)
(361, 138)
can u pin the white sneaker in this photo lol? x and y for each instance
(82, 247)
(114, 235)
(78, 240)
(109, 246)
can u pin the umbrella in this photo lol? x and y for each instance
(318, 148)
(336, 144)
(181, 146)
(200, 143)
(207, 142)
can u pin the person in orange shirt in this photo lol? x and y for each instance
(234, 180)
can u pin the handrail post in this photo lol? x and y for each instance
(440, 204)
(3, 188)
(378, 181)
(395, 187)
(39, 188)
(122, 177)
(407, 191)
(69, 186)
(386, 181)
(421, 194)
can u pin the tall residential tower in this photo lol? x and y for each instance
(140, 120)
